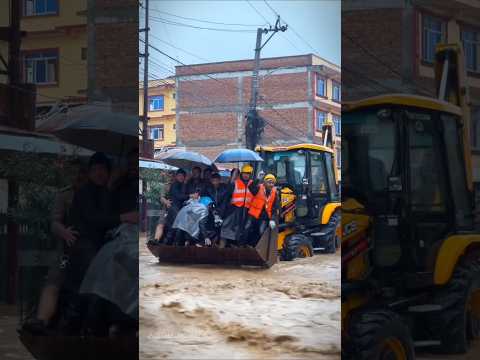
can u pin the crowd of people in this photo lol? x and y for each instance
(84, 218)
(202, 210)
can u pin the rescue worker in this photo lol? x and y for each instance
(233, 228)
(264, 209)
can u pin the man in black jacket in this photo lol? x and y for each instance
(92, 215)
(218, 193)
(176, 196)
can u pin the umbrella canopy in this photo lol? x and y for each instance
(99, 129)
(185, 159)
(238, 155)
(24, 141)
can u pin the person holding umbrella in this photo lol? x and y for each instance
(195, 183)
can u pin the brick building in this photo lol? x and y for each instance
(297, 95)
(389, 46)
(113, 53)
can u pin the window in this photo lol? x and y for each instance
(321, 87)
(321, 117)
(174, 126)
(433, 33)
(336, 96)
(338, 157)
(173, 95)
(338, 124)
(41, 67)
(471, 44)
(319, 178)
(156, 133)
(156, 103)
(40, 7)
(84, 54)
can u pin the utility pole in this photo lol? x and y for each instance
(255, 123)
(145, 134)
(13, 79)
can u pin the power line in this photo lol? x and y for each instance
(175, 23)
(386, 65)
(258, 12)
(271, 8)
(291, 27)
(205, 21)
(176, 47)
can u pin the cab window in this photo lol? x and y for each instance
(319, 178)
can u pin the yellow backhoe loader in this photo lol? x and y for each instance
(310, 212)
(410, 244)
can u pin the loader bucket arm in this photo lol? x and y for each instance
(263, 255)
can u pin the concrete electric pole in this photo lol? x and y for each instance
(255, 123)
(145, 135)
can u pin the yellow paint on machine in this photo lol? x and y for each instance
(328, 210)
(451, 251)
(403, 100)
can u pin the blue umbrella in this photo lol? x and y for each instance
(185, 159)
(238, 155)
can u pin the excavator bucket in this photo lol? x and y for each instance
(61, 347)
(263, 255)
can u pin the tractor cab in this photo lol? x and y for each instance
(403, 159)
(306, 172)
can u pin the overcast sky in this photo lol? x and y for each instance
(314, 28)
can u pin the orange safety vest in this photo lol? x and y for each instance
(261, 201)
(241, 195)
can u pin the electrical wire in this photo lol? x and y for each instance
(175, 23)
(205, 21)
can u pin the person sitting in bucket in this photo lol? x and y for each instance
(264, 209)
(195, 223)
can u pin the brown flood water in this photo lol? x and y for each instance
(291, 311)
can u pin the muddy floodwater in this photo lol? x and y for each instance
(291, 311)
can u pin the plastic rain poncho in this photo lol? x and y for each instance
(190, 217)
(113, 273)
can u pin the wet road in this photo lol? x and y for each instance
(10, 345)
(291, 311)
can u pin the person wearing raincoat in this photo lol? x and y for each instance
(195, 224)
(239, 192)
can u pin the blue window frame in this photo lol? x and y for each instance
(321, 87)
(40, 7)
(156, 133)
(321, 117)
(336, 92)
(338, 124)
(156, 103)
(433, 32)
(41, 67)
(471, 45)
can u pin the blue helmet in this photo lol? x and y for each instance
(206, 200)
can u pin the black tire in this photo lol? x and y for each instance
(333, 241)
(378, 334)
(295, 246)
(456, 322)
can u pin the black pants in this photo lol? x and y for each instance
(254, 229)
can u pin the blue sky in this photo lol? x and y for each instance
(317, 22)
